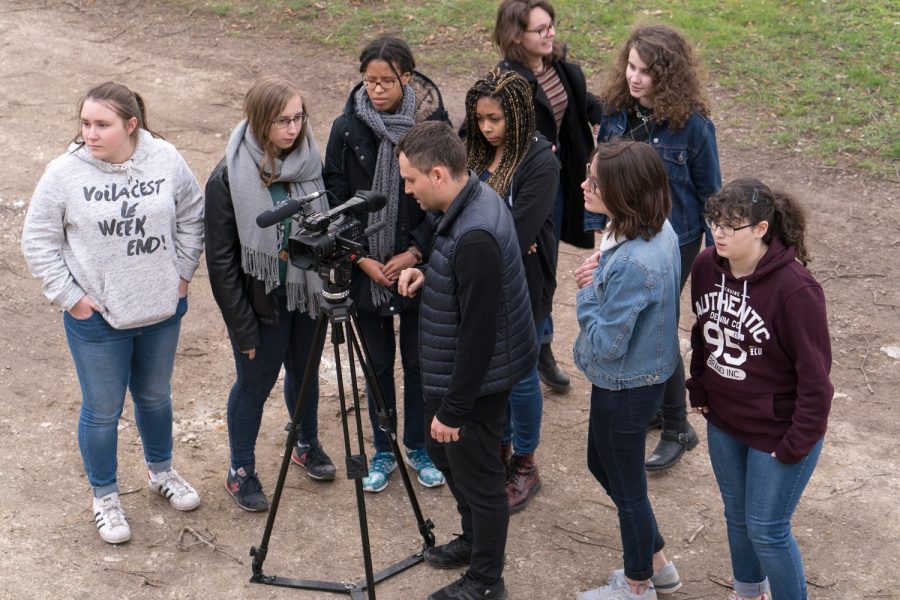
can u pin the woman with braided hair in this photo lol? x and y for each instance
(508, 153)
(390, 99)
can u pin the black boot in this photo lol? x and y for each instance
(672, 445)
(550, 373)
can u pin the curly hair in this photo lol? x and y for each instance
(513, 93)
(676, 72)
(749, 199)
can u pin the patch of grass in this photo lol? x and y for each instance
(826, 69)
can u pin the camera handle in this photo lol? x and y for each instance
(338, 311)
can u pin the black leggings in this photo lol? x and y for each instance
(673, 407)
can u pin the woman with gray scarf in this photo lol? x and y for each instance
(390, 99)
(268, 304)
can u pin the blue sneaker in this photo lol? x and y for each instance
(428, 474)
(381, 465)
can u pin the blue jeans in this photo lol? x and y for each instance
(378, 332)
(615, 456)
(109, 361)
(286, 342)
(760, 495)
(526, 409)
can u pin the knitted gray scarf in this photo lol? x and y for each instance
(302, 171)
(389, 128)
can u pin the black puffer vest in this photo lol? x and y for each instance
(515, 351)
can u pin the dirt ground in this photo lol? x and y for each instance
(193, 72)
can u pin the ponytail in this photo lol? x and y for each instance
(789, 224)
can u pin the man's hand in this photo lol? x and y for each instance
(585, 273)
(410, 281)
(443, 434)
(251, 353)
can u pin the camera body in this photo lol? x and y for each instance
(325, 241)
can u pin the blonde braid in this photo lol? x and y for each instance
(514, 94)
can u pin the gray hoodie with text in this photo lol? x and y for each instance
(122, 234)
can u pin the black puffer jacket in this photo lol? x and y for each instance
(350, 166)
(574, 142)
(241, 298)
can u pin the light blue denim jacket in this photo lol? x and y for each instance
(691, 159)
(629, 314)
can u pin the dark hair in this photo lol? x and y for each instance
(122, 101)
(392, 50)
(263, 102)
(749, 199)
(433, 143)
(512, 21)
(513, 92)
(676, 72)
(633, 186)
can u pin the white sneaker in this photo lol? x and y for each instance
(110, 519)
(173, 486)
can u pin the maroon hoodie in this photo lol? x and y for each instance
(761, 352)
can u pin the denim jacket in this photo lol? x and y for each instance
(629, 314)
(691, 159)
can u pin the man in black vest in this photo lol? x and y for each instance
(477, 340)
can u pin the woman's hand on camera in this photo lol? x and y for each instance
(397, 264)
(410, 281)
(585, 273)
(84, 308)
(373, 269)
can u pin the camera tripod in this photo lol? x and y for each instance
(338, 311)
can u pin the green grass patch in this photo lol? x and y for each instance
(819, 75)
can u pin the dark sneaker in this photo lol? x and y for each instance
(246, 490)
(313, 458)
(455, 553)
(466, 588)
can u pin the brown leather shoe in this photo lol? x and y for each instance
(523, 482)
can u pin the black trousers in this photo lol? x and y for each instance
(477, 480)
(673, 408)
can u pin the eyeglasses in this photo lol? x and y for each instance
(385, 84)
(592, 181)
(544, 30)
(727, 230)
(284, 122)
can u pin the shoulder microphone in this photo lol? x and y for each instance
(285, 209)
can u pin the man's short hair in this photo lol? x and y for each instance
(433, 143)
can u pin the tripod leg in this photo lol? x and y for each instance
(312, 362)
(356, 464)
(358, 344)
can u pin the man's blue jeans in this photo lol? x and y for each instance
(286, 342)
(760, 495)
(109, 361)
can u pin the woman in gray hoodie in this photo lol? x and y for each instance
(115, 232)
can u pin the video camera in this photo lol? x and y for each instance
(324, 241)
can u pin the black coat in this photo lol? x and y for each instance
(574, 142)
(531, 201)
(241, 298)
(350, 159)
